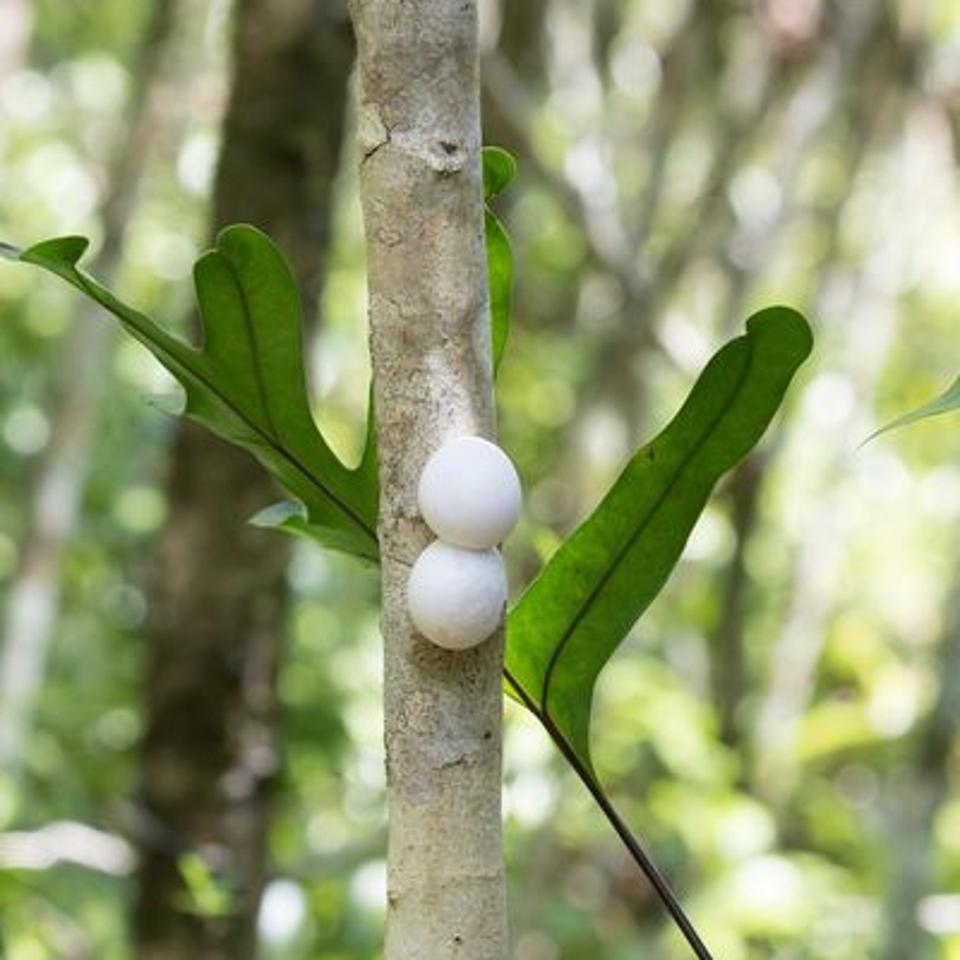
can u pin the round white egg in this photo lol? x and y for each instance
(456, 596)
(469, 493)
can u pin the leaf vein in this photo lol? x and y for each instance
(90, 286)
(604, 579)
(251, 331)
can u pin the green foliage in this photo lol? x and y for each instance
(246, 383)
(804, 843)
(206, 893)
(946, 402)
(575, 614)
(499, 169)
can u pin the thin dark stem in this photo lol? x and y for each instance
(657, 880)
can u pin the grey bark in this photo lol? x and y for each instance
(429, 324)
(210, 754)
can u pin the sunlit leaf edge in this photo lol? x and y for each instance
(946, 402)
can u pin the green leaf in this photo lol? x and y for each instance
(247, 383)
(369, 464)
(290, 516)
(206, 893)
(499, 169)
(947, 402)
(500, 274)
(571, 619)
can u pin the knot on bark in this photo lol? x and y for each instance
(372, 132)
(447, 156)
(443, 154)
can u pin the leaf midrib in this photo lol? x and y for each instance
(604, 579)
(251, 330)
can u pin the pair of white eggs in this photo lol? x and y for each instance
(470, 497)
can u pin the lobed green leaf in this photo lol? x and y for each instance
(246, 383)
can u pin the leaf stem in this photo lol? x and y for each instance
(657, 880)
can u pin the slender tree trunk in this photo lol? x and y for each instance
(16, 18)
(920, 790)
(429, 323)
(522, 45)
(34, 595)
(728, 669)
(218, 599)
(807, 120)
(879, 60)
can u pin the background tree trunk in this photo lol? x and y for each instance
(429, 322)
(918, 790)
(34, 596)
(217, 604)
(17, 19)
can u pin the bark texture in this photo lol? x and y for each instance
(210, 753)
(419, 130)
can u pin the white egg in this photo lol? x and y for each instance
(456, 596)
(469, 493)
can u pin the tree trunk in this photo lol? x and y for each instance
(521, 44)
(218, 598)
(429, 323)
(16, 16)
(727, 646)
(919, 790)
(34, 595)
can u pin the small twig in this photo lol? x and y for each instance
(657, 880)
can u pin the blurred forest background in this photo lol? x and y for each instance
(189, 707)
